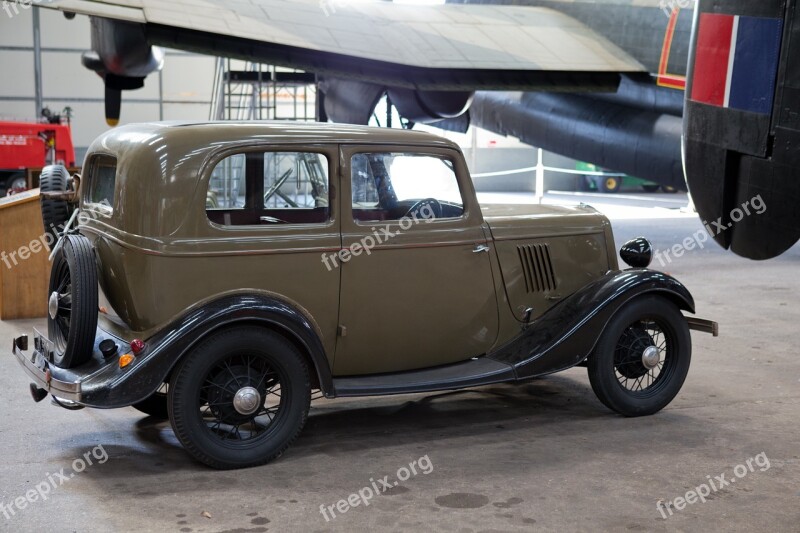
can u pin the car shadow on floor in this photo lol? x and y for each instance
(562, 406)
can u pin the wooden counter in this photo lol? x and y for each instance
(24, 267)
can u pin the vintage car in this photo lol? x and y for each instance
(346, 260)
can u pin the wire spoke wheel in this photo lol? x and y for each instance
(61, 302)
(239, 398)
(631, 371)
(73, 302)
(642, 357)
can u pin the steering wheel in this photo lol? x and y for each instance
(432, 203)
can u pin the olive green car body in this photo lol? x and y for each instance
(421, 299)
(498, 293)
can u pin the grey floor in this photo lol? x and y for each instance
(542, 456)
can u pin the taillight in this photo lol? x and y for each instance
(137, 346)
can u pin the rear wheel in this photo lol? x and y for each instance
(55, 213)
(72, 304)
(240, 398)
(642, 358)
(651, 188)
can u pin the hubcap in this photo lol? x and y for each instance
(52, 305)
(247, 401)
(651, 357)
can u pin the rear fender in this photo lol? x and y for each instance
(166, 348)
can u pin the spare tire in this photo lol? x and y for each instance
(72, 305)
(55, 213)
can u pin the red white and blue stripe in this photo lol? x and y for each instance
(736, 63)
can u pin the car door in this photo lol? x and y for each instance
(416, 281)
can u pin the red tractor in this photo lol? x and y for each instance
(25, 148)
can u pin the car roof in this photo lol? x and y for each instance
(162, 163)
(280, 132)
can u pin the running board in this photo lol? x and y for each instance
(472, 373)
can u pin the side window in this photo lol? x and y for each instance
(266, 188)
(101, 182)
(391, 186)
(226, 188)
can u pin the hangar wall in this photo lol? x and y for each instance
(184, 87)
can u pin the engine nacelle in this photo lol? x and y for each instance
(430, 106)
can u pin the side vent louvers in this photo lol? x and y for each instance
(538, 267)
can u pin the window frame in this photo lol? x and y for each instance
(88, 183)
(426, 151)
(328, 151)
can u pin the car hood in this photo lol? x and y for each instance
(509, 221)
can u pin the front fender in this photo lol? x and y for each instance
(567, 334)
(166, 348)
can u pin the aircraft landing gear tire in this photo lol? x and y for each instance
(610, 184)
(55, 213)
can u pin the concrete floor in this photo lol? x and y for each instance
(542, 456)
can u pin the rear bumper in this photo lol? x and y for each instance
(85, 385)
(37, 366)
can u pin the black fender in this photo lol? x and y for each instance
(167, 347)
(567, 334)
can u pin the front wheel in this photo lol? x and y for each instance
(240, 398)
(642, 357)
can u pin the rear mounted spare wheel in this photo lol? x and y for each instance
(55, 213)
(72, 303)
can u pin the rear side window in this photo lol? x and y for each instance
(269, 188)
(101, 181)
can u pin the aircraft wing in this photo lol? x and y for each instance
(443, 47)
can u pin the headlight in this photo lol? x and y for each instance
(638, 253)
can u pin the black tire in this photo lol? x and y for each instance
(55, 213)
(620, 379)
(610, 184)
(669, 190)
(651, 188)
(74, 278)
(155, 405)
(203, 386)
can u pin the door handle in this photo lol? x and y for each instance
(480, 249)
